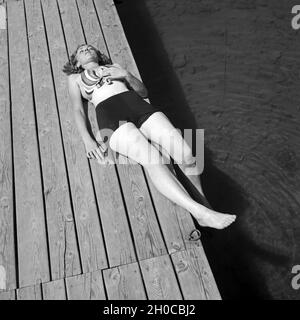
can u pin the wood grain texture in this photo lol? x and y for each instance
(8, 295)
(64, 255)
(209, 283)
(2, 16)
(91, 26)
(32, 245)
(54, 290)
(186, 225)
(169, 215)
(124, 283)
(71, 24)
(88, 286)
(30, 293)
(118, 240)
(195, 276)
(160, 279)
(88, 227)
(7, 242)
(114, 35)
(148, 238)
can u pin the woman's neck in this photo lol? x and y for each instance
(91, 65)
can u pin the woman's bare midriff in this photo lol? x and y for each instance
(105, 91)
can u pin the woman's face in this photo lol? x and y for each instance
(86, 54)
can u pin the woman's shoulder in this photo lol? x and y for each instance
(73, 79)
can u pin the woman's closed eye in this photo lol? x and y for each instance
(81, 50)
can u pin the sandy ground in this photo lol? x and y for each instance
(233, 68)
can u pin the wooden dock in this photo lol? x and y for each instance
(69, 227)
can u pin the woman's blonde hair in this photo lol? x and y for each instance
(71, 68)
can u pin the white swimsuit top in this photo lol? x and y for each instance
(96, 88)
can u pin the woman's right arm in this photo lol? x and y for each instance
(92, 147)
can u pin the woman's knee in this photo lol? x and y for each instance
(124, 135)
(130, 142)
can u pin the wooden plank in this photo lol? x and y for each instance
(175, 236)
(7, 243)
(32, 246)
(30, 293)
(2, 16)
(176, 222)
(54, 290)
(71, 24)
(147, 235)
(118, 240)
(64, 255)
(168, 219)
(124, 283)
(186, 225)
(146, 231)
(89, 233)
(91, 27)
(148, 239)
(115, 36)
(8, 295)
(160, 279)
(88, 286)
(194, 274)
(189, 275)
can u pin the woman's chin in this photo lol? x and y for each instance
(91, 59)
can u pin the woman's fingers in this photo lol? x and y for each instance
(90, 155)
(99, 154)
(95, 154)
(106, 73)
(103, 147)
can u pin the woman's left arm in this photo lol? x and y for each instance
(136, 85)
(116, 72)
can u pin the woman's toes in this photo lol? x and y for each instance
(228, 220)
(215, 219)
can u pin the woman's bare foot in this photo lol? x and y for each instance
(210, 218)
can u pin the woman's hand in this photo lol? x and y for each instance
(115, 72)
(96, 150)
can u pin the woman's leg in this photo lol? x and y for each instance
(129, 141)
(167, 161)
(160, 130)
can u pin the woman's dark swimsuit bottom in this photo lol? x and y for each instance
(123, 107)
